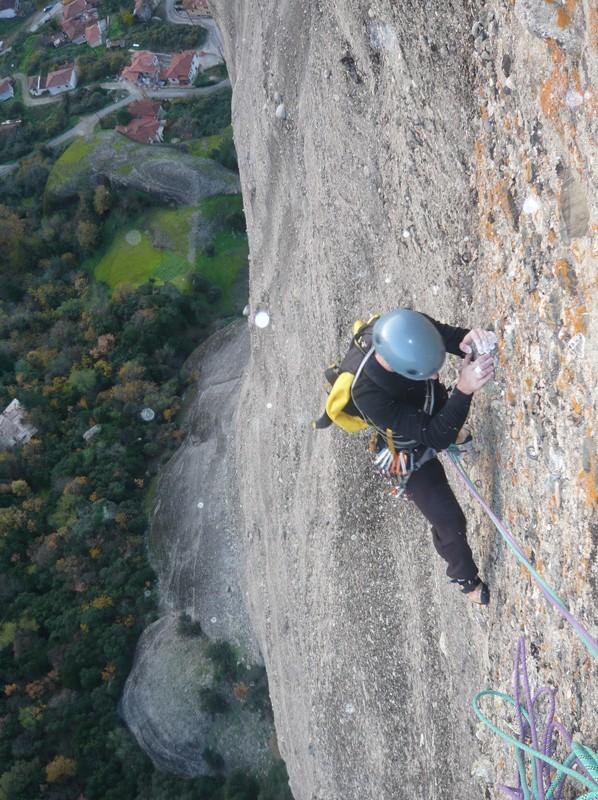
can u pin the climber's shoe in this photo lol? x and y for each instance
(465, 445)
(475, 589)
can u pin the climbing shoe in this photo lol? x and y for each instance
(475, 589)
(465, 446)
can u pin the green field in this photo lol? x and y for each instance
(224, 267)
(69, 162)
(205, 146)
(162, 250)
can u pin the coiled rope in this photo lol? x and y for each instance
(548, 775)
(588, 640)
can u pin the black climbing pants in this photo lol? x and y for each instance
(430, 491)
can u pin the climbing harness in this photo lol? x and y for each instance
(588, 640)
(397, 466)
(548, 776)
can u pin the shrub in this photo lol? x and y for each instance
(188, 627)
(212, 702)
(213, 759)
(224, 659)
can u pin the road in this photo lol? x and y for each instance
(40, 18)
(213, 43)
(167, 93)
(86, 124)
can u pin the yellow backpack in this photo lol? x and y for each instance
(340, 408)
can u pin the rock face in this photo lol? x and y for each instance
(195, 548)
(161, 171)
(161, 706)
(441, 156)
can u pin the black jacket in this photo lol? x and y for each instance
(389, 400)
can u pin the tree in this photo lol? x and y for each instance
(19, 781)
(212, 702)
(12, 232)
(224, 658)
(101, 200)
(59, 768)
(127, 18)
(123, 116)
(88, 234)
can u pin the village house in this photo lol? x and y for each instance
(77, 16)
(196, 8)
(9, 8)
(74, 30)
(6, 90)
(74, 9)
(143, 10)
(183, 68)
(9, 125)
(147, 126)
(144, 68)
(94, 33)
(62, 80)
(14, 429)
(146, 130)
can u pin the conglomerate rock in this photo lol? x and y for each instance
(441, 156)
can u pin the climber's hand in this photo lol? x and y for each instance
(484, 341)
(475, 374)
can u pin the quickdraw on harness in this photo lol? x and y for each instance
(395, 460)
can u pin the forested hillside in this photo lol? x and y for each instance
(97, 368)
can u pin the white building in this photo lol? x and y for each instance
(63, 80)
(6, 90)
(13, 428)
(9, 8)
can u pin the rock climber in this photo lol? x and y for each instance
(398, 393)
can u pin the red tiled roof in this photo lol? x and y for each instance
(200, 6)
(74, 28)
(143, 62)
(141, 130)
(144, 108)
(6, 5)
(5, 85)
(60, 77)
(73, 9)
(93, 34)
(180, 65)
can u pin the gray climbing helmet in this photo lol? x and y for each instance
(410, 343)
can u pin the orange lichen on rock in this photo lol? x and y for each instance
(576, 406)
(593, 26)
(565, 381)
(552, 93)
(576, 319)
(565, 274)
(563, 20)
(589, 485)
